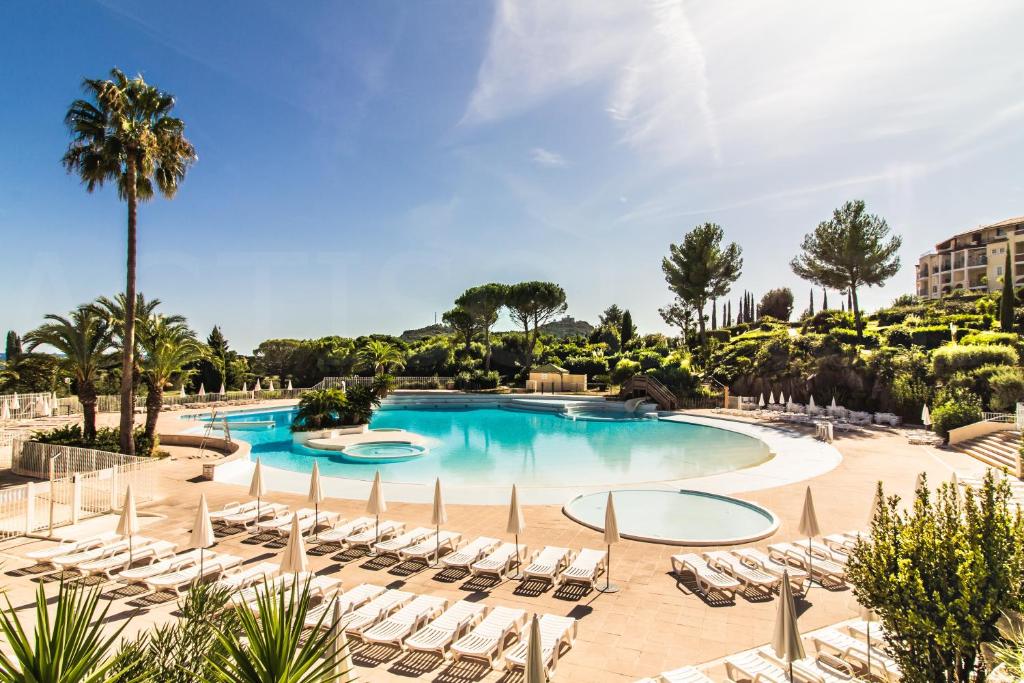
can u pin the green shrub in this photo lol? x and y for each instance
(958, 319)
(586, 365)
(623, 370)
(897, 314)
(826, 321)
(990, 337)
(722, 334)
(107, 439)
(956, 408)
(1007, 388)
(927, 336)
(951, 358)
(843, 335)
(477, 380)
(648, 360)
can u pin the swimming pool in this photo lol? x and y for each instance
(676, 517)
(498, 447)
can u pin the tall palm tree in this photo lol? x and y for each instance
(380, 356)
(124, 133)
(168, 347)
(84, 339)
(72, 646)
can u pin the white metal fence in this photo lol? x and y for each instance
(25, 406)
(433, 382)
(84, 483)
(31, 406)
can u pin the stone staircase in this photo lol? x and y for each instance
(998, 449)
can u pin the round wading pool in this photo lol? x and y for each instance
(676, 517)
(383, 451)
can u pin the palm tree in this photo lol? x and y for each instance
(71, 647)
(319, 409)
(168, 347)
(125, 134)
(271, 648)
(84, 339)
(380, 357)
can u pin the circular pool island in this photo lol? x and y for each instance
(383, 451)
(676, 517)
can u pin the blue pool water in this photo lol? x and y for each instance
(498, 447)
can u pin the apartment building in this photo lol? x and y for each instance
(973, 260)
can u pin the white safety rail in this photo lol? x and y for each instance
(84, 483)
(26, 406)
(433, 382)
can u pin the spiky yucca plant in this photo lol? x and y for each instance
(70, 647)
(269, 646)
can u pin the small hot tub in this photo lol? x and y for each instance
(383, 451)
(676, 517)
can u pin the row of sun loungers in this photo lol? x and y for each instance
(748, 569)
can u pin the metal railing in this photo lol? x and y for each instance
(400, 382)
(998, 417)
(77, 493)
(26, 406)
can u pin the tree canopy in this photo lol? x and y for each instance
(852, 249)
(700, 268)
(532, 304)
(777, 303)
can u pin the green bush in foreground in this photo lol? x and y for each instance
(107, 439)
(941, 575)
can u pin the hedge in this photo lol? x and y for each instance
(990, 337)
(950, 359)
(928, 336)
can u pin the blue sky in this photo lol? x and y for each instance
(362, 163)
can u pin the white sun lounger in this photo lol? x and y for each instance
(851, 649)
(823, 669)
(272, 525)
(708, 579)
(246, 576)
(488, 638)
(373, 533)
(232, 508)
(686, 674)
(249, 517)
(394, 545)
(212, 566)
(822, 551)
(342, 530)
(819, 568)
(500, 561)
(752, 557)
(586, 567)
(431, 545)
(442, 631)
(750, 577)
(70, 545)
(859, 628)
(749, 666)
(555, 633)
(375, 610)
(397, 627)
(844, 543)
(319, 586)
(139, 574)
(349, 600)
(470, 553)
(547, 565)
(123, 560)
(309, 522)
(99, 552)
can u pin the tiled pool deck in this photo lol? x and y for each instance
(655, 623)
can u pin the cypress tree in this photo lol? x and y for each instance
(811, 309)
(1006, 302)
(849, 299)
(824, 299)
(714, 314)
(13, 346)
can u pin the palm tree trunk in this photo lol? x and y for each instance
(87, 397)
(128, 342)
(154, 401)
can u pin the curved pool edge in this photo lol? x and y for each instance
(797, 457)
(703, 543)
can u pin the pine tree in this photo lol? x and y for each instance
(1006, 302)
(13, 347)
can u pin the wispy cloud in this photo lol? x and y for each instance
(545, 157)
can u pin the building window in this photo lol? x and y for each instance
(999, 270)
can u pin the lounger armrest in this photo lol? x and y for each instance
(835, 664)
